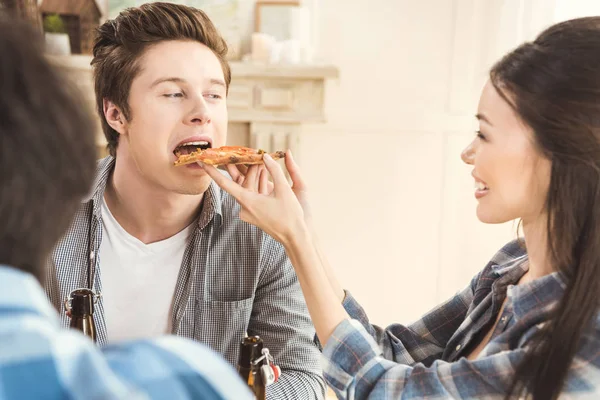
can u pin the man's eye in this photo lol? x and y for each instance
(173, 95)
(214, 96)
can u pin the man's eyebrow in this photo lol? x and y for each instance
(168, 79)
(219, 82)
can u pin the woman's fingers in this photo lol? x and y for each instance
(225, 183)
(279, 179)
(254, 177)
(237, 172)
(264, 185)
(294, 171)
(251, 180)
(233, 171)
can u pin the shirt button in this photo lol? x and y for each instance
(458, 347)
(92, 254)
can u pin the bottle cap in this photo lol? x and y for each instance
(82, 302)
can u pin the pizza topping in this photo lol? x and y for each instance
(190, 147)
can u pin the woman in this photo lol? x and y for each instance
(528, 323)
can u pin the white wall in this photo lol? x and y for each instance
(567, 9)
(398, 221)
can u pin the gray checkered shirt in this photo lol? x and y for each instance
(234, 278)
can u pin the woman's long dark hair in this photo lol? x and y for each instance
(553, 84)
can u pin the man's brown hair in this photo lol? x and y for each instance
(121, 42)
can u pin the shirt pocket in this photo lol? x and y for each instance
(222, 325)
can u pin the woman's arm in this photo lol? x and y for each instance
(281, 215)
(324, 304)
(331, 276)
(354, 367)
(283, 212)
(255, 178)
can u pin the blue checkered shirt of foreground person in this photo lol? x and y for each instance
(427, 359)
(41, 360)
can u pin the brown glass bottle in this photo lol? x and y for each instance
(250, 350)
(82, 311)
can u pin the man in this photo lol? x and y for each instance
(47, 154)
(163, 244)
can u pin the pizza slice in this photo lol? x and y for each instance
(226, 155)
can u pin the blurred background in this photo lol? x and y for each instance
(377, 99)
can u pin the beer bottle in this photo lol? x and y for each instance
(82, 311)
(249, 369)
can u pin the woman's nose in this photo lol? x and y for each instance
(468, 154)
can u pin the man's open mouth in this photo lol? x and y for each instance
(190, 147)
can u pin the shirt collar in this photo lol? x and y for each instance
(211, 204)
(511, 255)
(538, 296)
(20, 291)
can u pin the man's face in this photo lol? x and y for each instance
(178, 97)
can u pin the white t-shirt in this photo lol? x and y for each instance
(138, 280)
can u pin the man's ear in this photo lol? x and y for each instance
(114, 116)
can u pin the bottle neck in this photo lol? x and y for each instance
(248, 369)
(250, 350)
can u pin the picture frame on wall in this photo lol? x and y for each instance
(276, 18)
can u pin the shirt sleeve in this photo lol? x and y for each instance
(355, 368)
(424, 340)
(66, 364)
(280, 317)
(177, 368)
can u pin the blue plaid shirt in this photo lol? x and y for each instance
(41, 360)
(428, 358)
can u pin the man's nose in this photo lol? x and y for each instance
(200, 115)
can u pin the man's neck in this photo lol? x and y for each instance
(147, 212)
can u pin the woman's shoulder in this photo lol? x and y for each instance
(510, 252)
(508, 260)
(508, 257)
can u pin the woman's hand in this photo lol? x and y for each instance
(274, 207)
(239, 172)
(279, 210)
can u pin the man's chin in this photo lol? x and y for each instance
(191, 184)
(195, 188)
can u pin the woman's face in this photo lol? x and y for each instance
(511, 176)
